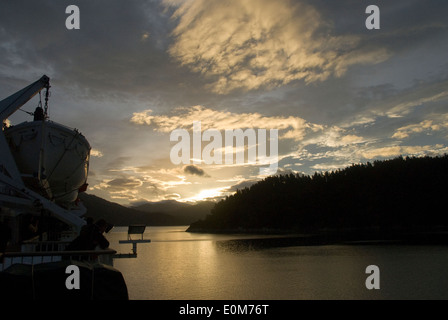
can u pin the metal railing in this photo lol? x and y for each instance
(10, 258)
(39, 246)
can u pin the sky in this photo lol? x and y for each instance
(136, 71)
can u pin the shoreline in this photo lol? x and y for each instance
(358, 237)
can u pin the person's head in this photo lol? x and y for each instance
(102, 225)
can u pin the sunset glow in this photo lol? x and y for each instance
(337, 92)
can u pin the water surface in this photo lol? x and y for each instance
(192, 266)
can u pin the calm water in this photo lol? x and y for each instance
(181, 265)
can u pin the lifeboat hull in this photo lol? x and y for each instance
(53, 155)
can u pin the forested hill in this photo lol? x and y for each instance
(397, 194)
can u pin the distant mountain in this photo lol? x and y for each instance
(161, 206)
(183, 213)
(162, 213)
(119, 215)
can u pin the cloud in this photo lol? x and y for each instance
(441, 122)
(404, 108)
(293, 127)
(394, 151)
(124, 183)
(334, 137)
(384, 105)
(253, 44)
(117, 163)
(145, 36)
(194, 170)
(140, 183)
(212, 194)
(172, 196)
(125, 188)
(107, 54)
(241, 185)
(392, 102)
(330, 166)
(96, 153)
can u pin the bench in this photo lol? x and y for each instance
(133, 229)
(136, 229)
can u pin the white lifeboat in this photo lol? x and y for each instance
(52, 158)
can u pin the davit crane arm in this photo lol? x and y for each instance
(11, 104)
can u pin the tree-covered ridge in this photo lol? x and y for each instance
(404, 193)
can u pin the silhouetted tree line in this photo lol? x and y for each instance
(404, 193)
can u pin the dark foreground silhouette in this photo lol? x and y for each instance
(378, 200)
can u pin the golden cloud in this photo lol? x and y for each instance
(96, 153)
(334, 137)
(394, 151)
(426, 125)
(294, 127)
(290, 128)
(248, 44)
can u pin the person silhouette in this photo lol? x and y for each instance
(91, 237)
(39, 114)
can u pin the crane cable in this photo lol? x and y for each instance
(47, 94)
(39, 104)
